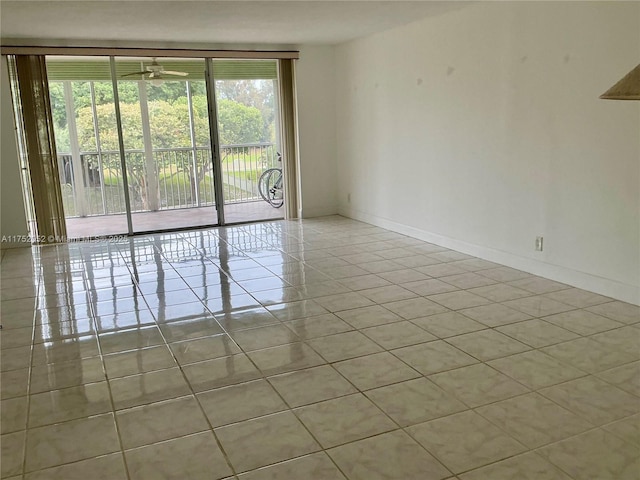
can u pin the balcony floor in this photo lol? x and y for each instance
(104, 225)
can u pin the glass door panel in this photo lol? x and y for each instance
(168, 163)
(163, 106)
(249, 134)
(83, 111)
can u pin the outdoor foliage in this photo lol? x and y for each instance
(238, 123)
(253, 93)
(245, 114)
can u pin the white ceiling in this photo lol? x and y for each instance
(163, 23)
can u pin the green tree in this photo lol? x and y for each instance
(168, 124)
(253, 93)
(201, 117)
(106, 116)
(59, 114)
(238, 123)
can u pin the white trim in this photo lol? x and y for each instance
(593, 283)
(319, 211)
(147, 52)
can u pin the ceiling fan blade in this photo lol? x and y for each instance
(169, 72)
(132, 74)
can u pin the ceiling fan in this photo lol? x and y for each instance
(156, 72)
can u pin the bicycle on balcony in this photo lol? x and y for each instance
(270, 186)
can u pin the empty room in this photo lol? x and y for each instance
(320, 240)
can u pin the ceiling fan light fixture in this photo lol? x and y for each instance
(628, 88)
(156, 82)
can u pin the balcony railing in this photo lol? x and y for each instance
(174, 178)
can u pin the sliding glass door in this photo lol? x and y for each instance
(135, 147)
(249, 132)
(87, 152)
(165, 123)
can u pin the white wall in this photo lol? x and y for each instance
(315, 85)
(481, 129)
(13, 221)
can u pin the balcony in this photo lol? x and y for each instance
(171, 188)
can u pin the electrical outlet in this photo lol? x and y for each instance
(539, 244)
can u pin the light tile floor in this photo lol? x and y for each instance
(322, 349)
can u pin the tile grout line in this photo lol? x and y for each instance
(26, 427)
(266, 379)
(357, 391)
(290, 409)
(202, 411)
(111, 400)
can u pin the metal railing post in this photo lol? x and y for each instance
(79, 191)
(150, 172)
(96, 130)
(192, 134)
(123, 162)
(174, 192)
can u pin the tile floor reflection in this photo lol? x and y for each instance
(321, 349)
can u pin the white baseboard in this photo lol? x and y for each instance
(322, 211)
(586, 281)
